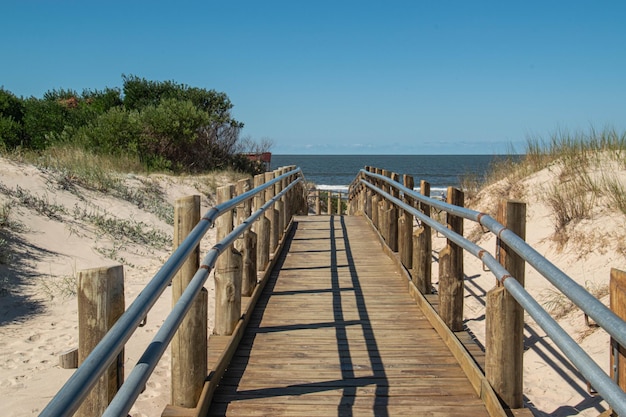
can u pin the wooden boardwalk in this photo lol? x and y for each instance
(336, 333)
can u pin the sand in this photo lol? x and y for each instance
(38, 313)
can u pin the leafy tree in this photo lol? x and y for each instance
(11, 106)
(43, 120)
(104, 100)
(115, 132)
(11, 115)
(170, 132)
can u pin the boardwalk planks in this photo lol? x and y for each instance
(336, 333)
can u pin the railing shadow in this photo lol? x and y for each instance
(382, 390)
(349, 382)
(549, 354)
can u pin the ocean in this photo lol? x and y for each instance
(336, 172)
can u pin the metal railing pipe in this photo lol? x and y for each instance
(74, 391)
(600, 313)
(130, 390)
(587, 366)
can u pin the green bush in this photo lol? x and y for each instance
(115, 132)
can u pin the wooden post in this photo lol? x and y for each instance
(376, 200)
(189, 359)
(405, 228)
(504, 317)
(228, 273)
(362, 196)
(617, 289)
(422, 248)
(100, 304)
(368, 198)
(339, 211)
(279, 206)
(246, 245)
(287, 204)
(262, 228)
(329, 202)
(318, 202)
(392, 215)
(271, 213)
(451, 270)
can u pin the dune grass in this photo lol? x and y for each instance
(587, 165)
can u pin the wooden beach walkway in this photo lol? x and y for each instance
(335, 332)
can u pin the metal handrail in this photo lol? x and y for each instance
(72, 394)
(602, 315)
(611, 392)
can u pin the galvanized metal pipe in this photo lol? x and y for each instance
(587, 366)
(602, 315)
(128, 393)
(72, 394)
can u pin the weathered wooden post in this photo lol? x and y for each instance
(189, 345)
(246, 245)
(451, 277)
(362, 196)
(339, 208)
(405, 228)
(262, 227)
(422, 248)
(318, 202)
(279, 206)
(100, 304)
(368, 198)
(228, 273)
(504, 317)
(376, 200)
(392, 215)
(329, 202)
(287, 201)
(617, 302)
(271, 213)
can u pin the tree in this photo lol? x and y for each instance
(11, 115)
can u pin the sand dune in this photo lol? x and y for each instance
(54, 232)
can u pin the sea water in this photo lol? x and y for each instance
(336, 172)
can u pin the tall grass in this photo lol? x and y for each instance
(586, 164)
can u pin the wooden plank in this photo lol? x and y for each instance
(336, 330)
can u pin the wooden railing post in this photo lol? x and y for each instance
(262, 228)
(392, 215)
(247, 244)
(451, 270)
(405, 228)
(339, 208)
(376, 201)
(271, 213)
(100, 304)
(504, 317)
(368, 198)
(318, 202)
(329, 202)
(362, 196)
(189, 345)
(422, 248)
(286, 198)
(228, 273)
(279, 206)
(617, 302)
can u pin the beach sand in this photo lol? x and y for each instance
(38, 313)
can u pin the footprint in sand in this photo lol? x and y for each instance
(34, 338)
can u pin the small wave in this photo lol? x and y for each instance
(434, 191)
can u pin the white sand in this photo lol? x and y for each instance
(37, 322)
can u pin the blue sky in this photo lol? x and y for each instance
(344, 77)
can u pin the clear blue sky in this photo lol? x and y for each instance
(363, 77)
